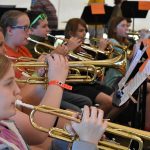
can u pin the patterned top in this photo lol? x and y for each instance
(10, 137)
(48, 8)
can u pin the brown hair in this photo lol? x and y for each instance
(9, 18)
(5, 64)
(72, 26)
(1, 30)
(113, 25)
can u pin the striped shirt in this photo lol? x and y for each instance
(10, 139)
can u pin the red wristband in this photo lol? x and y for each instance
(59, 83)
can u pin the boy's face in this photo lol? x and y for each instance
(80, 32)
(19, 35)
(42, 29)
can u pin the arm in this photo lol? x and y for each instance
(52, 97)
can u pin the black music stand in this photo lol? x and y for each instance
(96, 19)
(130, 10)
(4, 8)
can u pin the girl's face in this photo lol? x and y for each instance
(20, 35)
(81, 32)
(122, 29)
(9, 92)
(42, 29)
(2, 48)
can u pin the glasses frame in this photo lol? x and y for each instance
(41, 16)
(25, 28)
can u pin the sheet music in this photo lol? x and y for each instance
(139, 78)
(133, 64)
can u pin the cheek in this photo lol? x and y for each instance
(120, 31)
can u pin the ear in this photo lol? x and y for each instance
(71, 33)
(9, 30)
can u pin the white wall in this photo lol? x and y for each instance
(18, 3)
(67, 9)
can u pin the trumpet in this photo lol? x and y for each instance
(119, 130)
(87, 48)
(119, 62)
(111, 46)
(51, 48)
(90, 72)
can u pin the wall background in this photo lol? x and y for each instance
(67, 9)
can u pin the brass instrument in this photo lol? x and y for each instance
(76, 77)
(87, 48)
(119, 130)
(119, 62)
(50, 47)
(80, 56)
(111, 45)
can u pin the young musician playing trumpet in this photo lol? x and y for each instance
(76, 28)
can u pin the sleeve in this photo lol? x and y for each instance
(78, 145)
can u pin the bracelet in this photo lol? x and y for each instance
(59, 83)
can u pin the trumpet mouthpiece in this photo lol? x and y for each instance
(20, 103)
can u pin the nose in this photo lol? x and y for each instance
(17, 89)
(28, 31)
(48, 29)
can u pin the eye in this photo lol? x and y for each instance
(9, 82)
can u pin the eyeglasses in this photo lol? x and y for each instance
(25, 28)
(41, 16)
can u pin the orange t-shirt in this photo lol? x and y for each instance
(22, 52)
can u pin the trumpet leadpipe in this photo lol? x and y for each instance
(49, 110)
(41, 43)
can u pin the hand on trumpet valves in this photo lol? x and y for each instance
(61, 49)
(73, 43)
(91, 127)
(41, 71)
(103, 43)
(57, 67)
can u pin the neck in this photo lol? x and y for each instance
(11, 44)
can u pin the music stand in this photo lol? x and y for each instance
(96, 19)
(92, 19)
(130, 10)
(4, 8)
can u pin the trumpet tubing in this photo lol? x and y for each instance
(87, 48)
(89, 76)
(111, 46)
(118, 62)
(119, 130)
